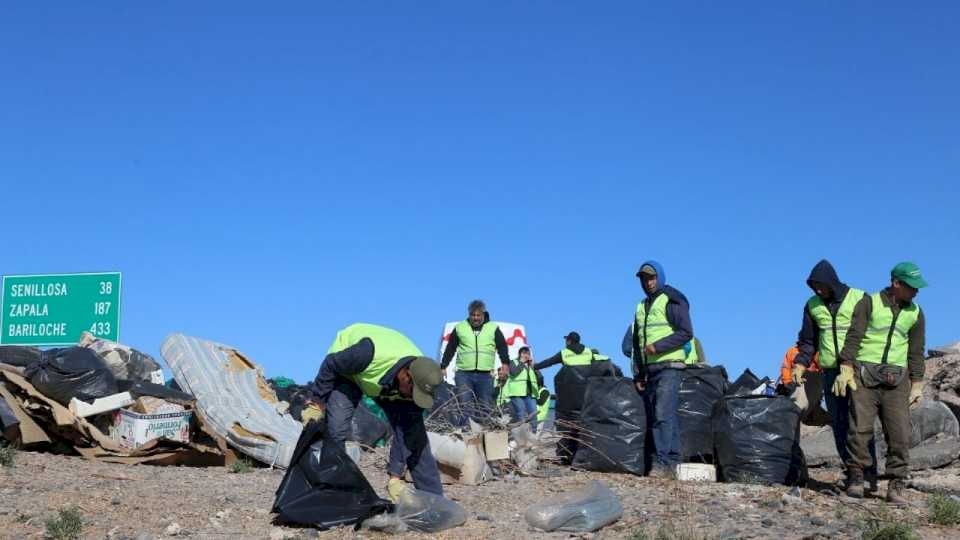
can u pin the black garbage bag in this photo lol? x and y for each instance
(747, 382)
(614, 424)
(571, 384)
(758, 440)
(74, 372)
(367, 428)
(15, 355)
(700, 390)
(571, 389)
(323, 487)
(9, 423)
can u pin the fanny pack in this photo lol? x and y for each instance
(881, 375)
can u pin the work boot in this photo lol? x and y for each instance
(855, 483)
(895, 494)
(870, 476)
(662, 472)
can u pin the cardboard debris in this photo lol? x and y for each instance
(101, 405)
(43, 420)
(495, 445)
(134, 430)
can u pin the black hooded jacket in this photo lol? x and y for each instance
(809, 337)
(501, 343)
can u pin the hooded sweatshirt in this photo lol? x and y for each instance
(501, 343)
(809, 336)
(678, 315)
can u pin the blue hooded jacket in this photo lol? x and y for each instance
(678, 315)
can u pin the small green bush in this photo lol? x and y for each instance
(66, 526)
(943, 510)
(8, 456)
(241, 466)
(880, 530)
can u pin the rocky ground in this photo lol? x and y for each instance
(142, 502)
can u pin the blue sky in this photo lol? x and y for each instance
(264, 175)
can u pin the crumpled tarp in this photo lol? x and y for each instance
(125, 362)
(234, 398)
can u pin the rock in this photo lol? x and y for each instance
(144, 536)
(818, 521)
(173, 529)
(788, 499)
(115, 501)
(484, 517)
(767, 522)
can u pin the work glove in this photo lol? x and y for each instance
(798, 371)
(311, 412)
(799, 397)
(844, 380)
(395, 488)
(916, 392)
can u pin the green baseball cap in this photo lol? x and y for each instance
(427, 376)
(908, 273)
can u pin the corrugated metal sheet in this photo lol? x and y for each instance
(233, 397)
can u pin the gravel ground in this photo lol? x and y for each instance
(142, 502)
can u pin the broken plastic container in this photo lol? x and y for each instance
(585, 510)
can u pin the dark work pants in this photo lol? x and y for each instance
(839, 409)
(409, 448)
(893, 407)
(475, 391)
(662, 399)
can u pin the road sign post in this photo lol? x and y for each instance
(54, 309)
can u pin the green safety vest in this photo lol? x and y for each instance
(887, 339)
(652, 326)
(543, 409)
(570, 358)
(522, 385)
(389, 347)
(833, 328)
(476, 351)
(692, 356)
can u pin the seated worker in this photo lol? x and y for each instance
(366, 359)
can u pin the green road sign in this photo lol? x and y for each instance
(54, 309)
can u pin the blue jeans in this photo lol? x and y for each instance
(475, 390)
(409, 448)
(839, 410)
(525, 408)
(662, 399)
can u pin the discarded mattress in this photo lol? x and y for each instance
(233, 397)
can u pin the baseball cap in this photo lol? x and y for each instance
(908, 273)
(426, 376)
(573, 336)
(647, 269)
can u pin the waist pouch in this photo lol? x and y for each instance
(881, 375)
